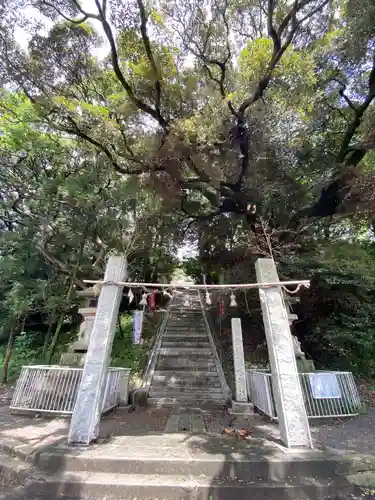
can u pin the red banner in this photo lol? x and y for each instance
(151, 301)
(221, 307)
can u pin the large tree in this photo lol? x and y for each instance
(244, 110)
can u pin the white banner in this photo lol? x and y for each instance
(137, 326)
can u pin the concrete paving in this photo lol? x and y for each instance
(190, 460)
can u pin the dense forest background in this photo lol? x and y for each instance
(237, 128)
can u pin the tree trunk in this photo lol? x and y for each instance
(48, 337)
(60, 323)
(8, 353)
(55, 338)
(73, 280)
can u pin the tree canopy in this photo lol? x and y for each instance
(243, 126)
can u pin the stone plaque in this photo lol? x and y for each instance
(324, 386)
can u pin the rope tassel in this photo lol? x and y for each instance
(233, 302)
(186, 301)
(143, 301)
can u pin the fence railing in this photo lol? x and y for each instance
(54, 389)
(259, 390)
(154, 353)
(326, 394)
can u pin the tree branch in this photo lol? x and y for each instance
(141, 105)
(285, 22)
(101, 147)
(355, 123)
(41, 246)
(279, 49)
(60, 13)
(271, 30)
(198, 217)
(151, 58)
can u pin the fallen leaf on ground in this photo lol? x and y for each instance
(228, 430)
(243, 433)
(238, 433)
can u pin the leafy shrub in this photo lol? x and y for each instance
(336, 315)
(26, 351)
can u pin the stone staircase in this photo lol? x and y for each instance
(186, 370)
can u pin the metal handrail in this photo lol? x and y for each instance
(149, 372)
(220, 371)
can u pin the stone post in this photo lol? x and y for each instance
(240, 405)
(124, 388)
(85, 330)
(76, 354)
(84, 426)
(290, 407)
(239, 361)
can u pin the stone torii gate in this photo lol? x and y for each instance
(293, 422)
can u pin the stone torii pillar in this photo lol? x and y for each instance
(290, 406)
(84, 426)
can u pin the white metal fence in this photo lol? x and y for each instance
(326, 394)
(259, 389)
(54, 389)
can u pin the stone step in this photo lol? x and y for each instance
(194, 392)
(190, 354)
(191, 360)
(175, 487)
(185, 376)
(194, 384)
(179, 337)
(163, 454)
(186, 400)
(181, 332)
(181, 317)
(197, 328)
(172, 363)
(189, 343)
(185, 351)
(181, 345)
(185, 318)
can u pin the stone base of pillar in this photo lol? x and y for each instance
(240, 408)
(73, 359)
(305, 365)
(79, 346)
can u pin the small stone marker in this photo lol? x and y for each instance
(84, 426)
(241, 404)
(239, 361)
(290, 406)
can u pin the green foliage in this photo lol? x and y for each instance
(193, 268)
(124, 353)
(26, 351)
(337, 316)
